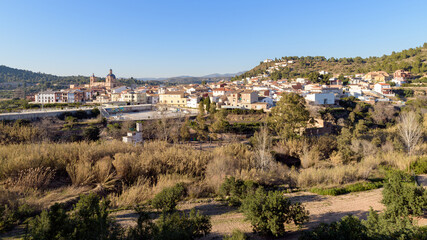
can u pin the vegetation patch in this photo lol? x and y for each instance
(357, 187)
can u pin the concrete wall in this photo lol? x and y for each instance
(36, 115)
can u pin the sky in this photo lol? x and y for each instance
(162, 38)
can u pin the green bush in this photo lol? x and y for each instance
(419, 166)
(269, 211)
(170, 226)
(349, 228)
(244, 128)
(10, 217)
(235, 190)
(236, 235)
(168, 198)
(88, 220)
(402, 196)
(357, 187)
(91, 133)
(182, 226)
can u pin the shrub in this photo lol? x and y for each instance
(183, 226)
(402, 196)
(385, 226)
(349, 228)
(168, 198)
(269, 211)
(89, 220)
(357, 187)
(377, 226)
(52, 224)
(234, 191)
(171, 226)
(144, 229)
(419, 166)
(236, 235)
(11, 216)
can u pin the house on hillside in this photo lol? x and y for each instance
(383, 88)
(379, 76)
(402, 74)
(321, 98)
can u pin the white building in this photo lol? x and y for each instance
(268, 60)
(193, 102)
(398, 81)
(220, 92)
(47, 97)
(383, 88)
(321, 98)
(119, 89)
(301, 80)
(134, 137)
(355, 90)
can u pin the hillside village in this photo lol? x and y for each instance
(259, 92)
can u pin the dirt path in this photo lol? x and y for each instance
(322, 209)
(332, 208)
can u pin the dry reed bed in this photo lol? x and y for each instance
(16, 157)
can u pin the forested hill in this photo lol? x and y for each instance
(413, 60)
(48, 81)
(44, 81)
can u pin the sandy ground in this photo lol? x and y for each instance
(322, 209)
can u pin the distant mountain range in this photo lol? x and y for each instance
(12, 79)
(213, 75)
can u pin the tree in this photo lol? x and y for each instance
(91, 133)
(184, 131)
(269, 211)
(201, 108)
(262, 144)
(168, 198)
(290, 115)
(212, 108)
(410, 130)
(220, 124)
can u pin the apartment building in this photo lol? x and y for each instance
(173, 98)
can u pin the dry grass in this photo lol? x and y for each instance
(31, 178)
(310, 157)
(17, 157)
(331, 176)
(144, 190)
(227, 161)
(161, 158)
(16, 133)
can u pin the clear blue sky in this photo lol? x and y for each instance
(198, 37)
